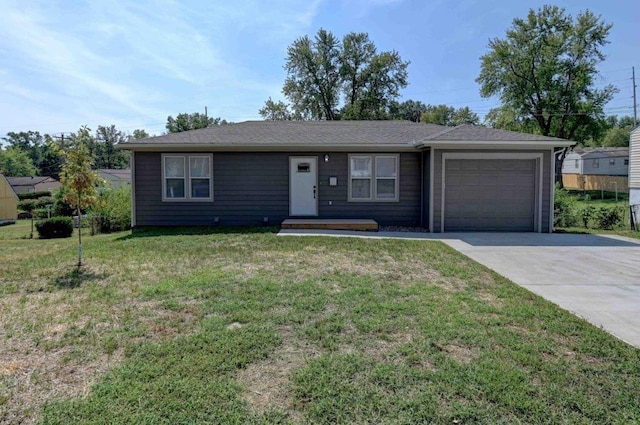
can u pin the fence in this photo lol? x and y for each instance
(596, 182)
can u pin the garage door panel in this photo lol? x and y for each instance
(489, 195)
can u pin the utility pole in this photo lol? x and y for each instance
(635, 103)
(61, 137)
(207, 116)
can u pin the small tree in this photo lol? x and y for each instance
(79, 180)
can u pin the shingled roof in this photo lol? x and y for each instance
(28, 181)
(403, 134)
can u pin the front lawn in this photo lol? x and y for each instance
(243, 326)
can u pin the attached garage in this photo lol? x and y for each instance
(490, 195)
(477, 191)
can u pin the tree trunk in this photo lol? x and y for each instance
(559, 159)
(79, 237)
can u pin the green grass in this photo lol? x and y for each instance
(243, 326)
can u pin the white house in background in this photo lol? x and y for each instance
(634, 167)
(597, 161)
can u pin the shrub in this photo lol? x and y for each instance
(61, 208)
(587, 214)
(40, 213)
(57, 227)
(44, 201)
(27, 205)
(33, 195)
(609, 217)
(112, 212)
(564, 208)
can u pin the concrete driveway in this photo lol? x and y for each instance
(594, 277)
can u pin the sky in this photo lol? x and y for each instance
(69, 63)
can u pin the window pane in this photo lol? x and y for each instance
(199, 166)
(200, 188)
(173, 166)
(175, 188)
(385, 167)
(361, 188)
(386, 189)
(360, 166)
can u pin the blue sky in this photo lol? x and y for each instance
(69, 63)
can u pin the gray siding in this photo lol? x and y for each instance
(250, 186)
(604, 168)
(437, 184)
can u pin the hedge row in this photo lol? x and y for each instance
(33, 195)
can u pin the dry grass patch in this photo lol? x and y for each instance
(266, 382)
(460, 353)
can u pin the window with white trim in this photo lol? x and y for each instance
(576, 164)
(595, 163)
(373, 178)
(187, 177)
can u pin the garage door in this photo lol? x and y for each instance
(490, 195)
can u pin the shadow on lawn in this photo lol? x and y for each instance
(75, 277)
(150, 232)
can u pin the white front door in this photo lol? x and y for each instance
(303, 185)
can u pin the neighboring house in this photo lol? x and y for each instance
(395, 172)
(596, 169)
(634, 167)
(8, 202)
(115, 178)
(597, 161)
(33, 184)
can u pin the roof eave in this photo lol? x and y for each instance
(194, 147)
(494, 144)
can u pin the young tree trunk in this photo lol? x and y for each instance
(79, 237)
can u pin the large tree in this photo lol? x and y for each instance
(328, 79)
(410, 110)
(545, 69)
(107, 155)
(448, 115)
(276, 111)
(185, 122)
(15, 162)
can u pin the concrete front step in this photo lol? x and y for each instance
(333, 224)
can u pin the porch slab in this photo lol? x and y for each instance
(332, 224)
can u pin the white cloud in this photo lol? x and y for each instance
(108, 61)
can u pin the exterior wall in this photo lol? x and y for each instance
(8, 201)
(250, 186)
(48, 185)
(45, 185)
(113, 181)
(569, 164)
(593, 182)
(604, 167)
(634, 167)
(547, 177)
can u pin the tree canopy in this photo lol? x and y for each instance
(448, 115)
(328, 79)
(15, 162)
(194, 121)
(543, 72)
